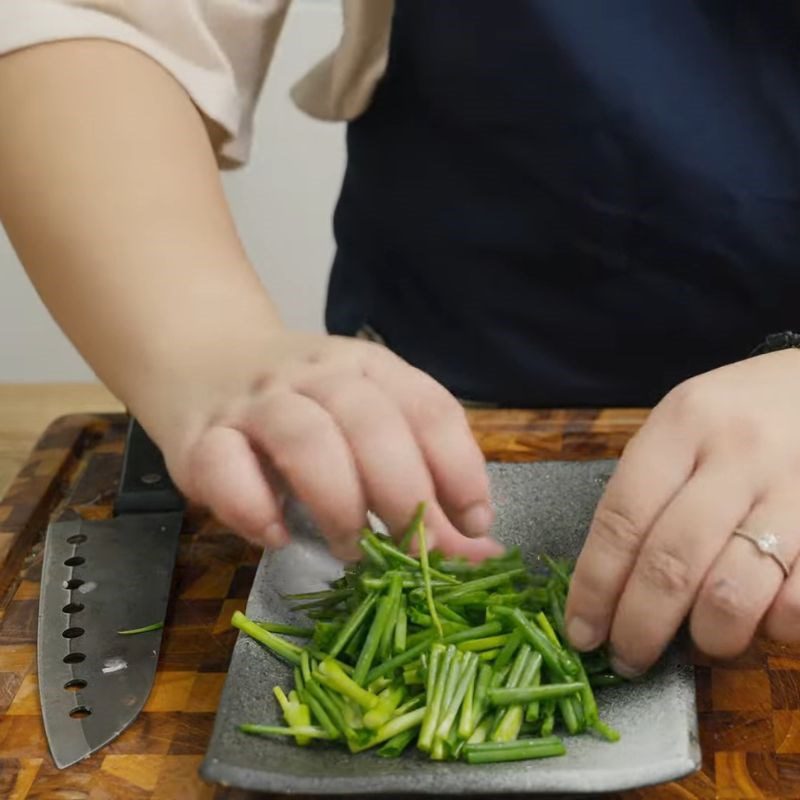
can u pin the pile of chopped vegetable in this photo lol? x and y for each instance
(463, 661)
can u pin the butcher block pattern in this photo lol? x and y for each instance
(749, 709)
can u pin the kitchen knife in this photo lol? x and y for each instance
(100, 577)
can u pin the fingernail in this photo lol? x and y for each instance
(276, 536)
(582, 634)
(476, 520)
(345, 550)
(625, 670)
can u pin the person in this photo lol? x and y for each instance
(546, 203)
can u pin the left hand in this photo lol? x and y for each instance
(720, 452)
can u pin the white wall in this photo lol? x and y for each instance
(282, 202)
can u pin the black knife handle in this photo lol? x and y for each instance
(145, 485)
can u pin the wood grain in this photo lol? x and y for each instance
(27, 409)
(749, 709)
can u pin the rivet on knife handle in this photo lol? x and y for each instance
(145, 485)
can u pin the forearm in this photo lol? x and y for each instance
(110, 194)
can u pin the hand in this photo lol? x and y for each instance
(719, 452)
(345, 424)
(124, 228)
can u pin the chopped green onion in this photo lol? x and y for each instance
(466, 661)
(505, 697)
(397, 744)
(286, 650)
(156, 626)
(286, 630)
(307, 731)
(520, 750)
(333, 676)
(353, 624)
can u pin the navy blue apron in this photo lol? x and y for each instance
(564, 202)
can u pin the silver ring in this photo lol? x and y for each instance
(767, 544)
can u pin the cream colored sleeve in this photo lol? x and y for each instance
(218, 50)
(340, 87)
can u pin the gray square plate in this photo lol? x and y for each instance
(542, 507)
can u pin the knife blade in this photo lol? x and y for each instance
(100, 577)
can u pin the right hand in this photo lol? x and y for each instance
(345, 425)
(124, 229)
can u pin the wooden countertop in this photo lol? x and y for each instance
(749, 709)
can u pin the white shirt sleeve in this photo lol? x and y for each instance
(218, 50)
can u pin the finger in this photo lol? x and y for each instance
(673, 561)
(224, 474)
(392, 470)
(742, 583)
(305, 446)
(474, 550)
(782, 620)
(652, 469)
(453, 543)
(345, 549)
(440, 426)
(782, 623)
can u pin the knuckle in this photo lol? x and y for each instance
(342, 395)
(359, 410)
(616, 529)
(689, 402)
(436, 414)
(334, 393)
(372, 358)
(288, 425)
(702, 405)
(725, 598)
(665, 571)
(338, 349)
(373, 353)
(261, 383)
(435, 406)
(323, 353)
(745, 430)
(375, 350)
(288, 442)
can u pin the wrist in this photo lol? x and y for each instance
(178, 374)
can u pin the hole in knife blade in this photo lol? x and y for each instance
(74, 561)
(80, 712)
(77, 538)
(73, 633)
(73, 608)
(74, 658)
(73, 583)
(75, 684)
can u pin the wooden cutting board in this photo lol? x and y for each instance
(749, 709)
